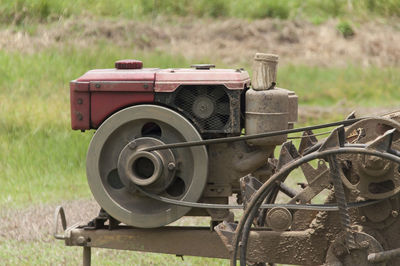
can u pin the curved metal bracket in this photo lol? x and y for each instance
(59, 213)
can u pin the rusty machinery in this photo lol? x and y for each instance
(183, 142)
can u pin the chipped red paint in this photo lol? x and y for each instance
(145, 74)
(104, 104)
(80, 107)
(168, 80)
(105, 91)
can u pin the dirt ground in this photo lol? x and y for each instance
(232, 41)
(37, 222)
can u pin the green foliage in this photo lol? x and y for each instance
(354, 85)
(345, 29)
(270, 9)
(54, 252)
(24, 11)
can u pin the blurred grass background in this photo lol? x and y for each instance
(43, 161)
(20, 11)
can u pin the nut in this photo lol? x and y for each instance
(132, 145)
(364, 244)
(81, 240)
(171, 166)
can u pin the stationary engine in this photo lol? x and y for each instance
(176, 142)
(134, 109)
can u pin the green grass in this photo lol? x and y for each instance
(55, 253)
(24, 11)
(351, 85)
(43, 160)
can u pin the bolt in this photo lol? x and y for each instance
(80, 101)
(364, 244)
(97, 85)
(395, 213)
(81, 240)
(79, 116)
(219, 190)
(132, 145)
(171, 166)
(363, 219)
(145, 86)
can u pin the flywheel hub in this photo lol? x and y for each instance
(117, 164)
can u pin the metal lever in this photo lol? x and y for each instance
(59, 213)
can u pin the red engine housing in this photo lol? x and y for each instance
(99, 93)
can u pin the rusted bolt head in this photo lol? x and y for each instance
(171, 166)
(395, 213)
(81, 240)
(364, 244)
(80, 100)
(145, 86)
(79, 116)
(97, 85)
(132, 145)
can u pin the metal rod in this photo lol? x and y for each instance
(255, 136)
(341, 201)
(290, 192)
(87, 256)
(384, 255)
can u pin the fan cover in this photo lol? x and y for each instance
(208, 106)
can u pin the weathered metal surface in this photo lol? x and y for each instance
(213, 109)
(187, 241)
(80, 109)
(148, 165)
(127, 86)
(128, 64)
(372, 177)
(118, 195)
(101, 107)
(264, 71)
(266, 111)
(144, 74)
(168, 80)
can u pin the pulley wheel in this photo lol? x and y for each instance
(371, 177)
(117, 164)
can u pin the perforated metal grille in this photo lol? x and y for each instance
(208, 105)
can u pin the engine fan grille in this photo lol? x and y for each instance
(208, 105)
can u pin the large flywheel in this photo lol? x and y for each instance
(117, 165)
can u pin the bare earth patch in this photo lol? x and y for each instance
(232, 41)
(37, 222)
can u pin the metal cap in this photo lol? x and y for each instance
(203, 66)
(128, 64)
(266, 57)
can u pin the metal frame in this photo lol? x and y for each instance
(189, 241)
